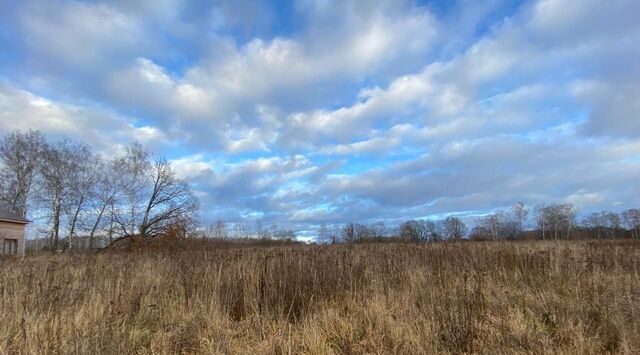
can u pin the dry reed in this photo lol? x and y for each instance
(501, 297)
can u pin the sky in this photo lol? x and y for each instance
(308, 112)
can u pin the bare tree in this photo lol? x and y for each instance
(349, 233)
(218, 230)
(260, 231)
(556, 218)
(82, 178)
(59, 161)
(435, 230)
(520, 213)
(284, 235)
(422, 230)
(594, 223)
(323, 234)
(169, 202)
(454, 228)
(379, 230)
(241, 230)
(335, 233)
(480, 232)
(541, 219)
(412, 230)
(631, 219)
(20, 157)
(494, 223)
(105, 192)
(613, 223)
(272, 230)
(133, 169)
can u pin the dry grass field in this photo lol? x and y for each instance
(500, 297)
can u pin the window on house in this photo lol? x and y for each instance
(10, 247)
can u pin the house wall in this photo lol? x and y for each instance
(10, 230)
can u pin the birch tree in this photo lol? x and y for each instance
(82, 178)
(19, 166)
(58, 162)
(105, 192)
(133, 169)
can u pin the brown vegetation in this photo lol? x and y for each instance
(486, 297)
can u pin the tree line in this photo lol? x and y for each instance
(74, 190)
(78, 193)
(554, 221)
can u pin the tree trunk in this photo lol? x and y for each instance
(74, 220)
(56, 224)
(110, 233)
(95, 225)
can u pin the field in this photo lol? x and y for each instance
(484, 297)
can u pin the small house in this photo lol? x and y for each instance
(12, 232)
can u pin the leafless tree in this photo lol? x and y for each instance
(241, 230)
(422, 230)
(480, 232)
(410, 230)
(414, 230)
(58, 163)
(272, 230)
(503, 224)
(334, 232)
(349, 233)
(541, 219)
(82, 179)
(105, 192)
(454, 228)
(631, 219)
(284, 235)
(260, 231)
(170, 201)
(20, 162)
(594, 223)
(379, 230)
(493, 223)
(218, 230)
(556, 218)
(613, 223)
(363, 232)
(324, 235)
(520, 213)
(134, 170)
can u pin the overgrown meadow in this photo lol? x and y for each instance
(210, 298)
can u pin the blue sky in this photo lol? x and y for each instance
(303, 112)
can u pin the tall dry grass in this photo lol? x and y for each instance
(519, 297)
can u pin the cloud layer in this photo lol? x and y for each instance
(330, 111)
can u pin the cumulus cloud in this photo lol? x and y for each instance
(22, 110)
(289, 73)
(613, 109)
(78, 36)
(339, 110)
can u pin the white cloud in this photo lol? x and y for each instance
(614, 108)
(101, 129)
(79, 35)
(359, 109)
